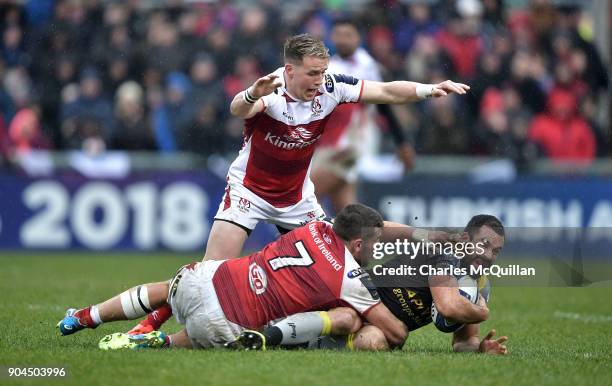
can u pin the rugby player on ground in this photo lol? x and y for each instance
(409, 298)
(285, 113)
(304, 271)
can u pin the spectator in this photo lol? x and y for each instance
(501, 129)
(13, 52)
(133, 128)
(206, 82)
(91, 105)
(25, 133)
(444, 131)
(524, 53)
(164, 49)
(561, 132)
(203, 134)
(173, 113)
(18, 89)
(461, 40)
(419, 22)
(251, 37)
(528, 88)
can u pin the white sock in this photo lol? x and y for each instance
(95, 315)
(303, 327)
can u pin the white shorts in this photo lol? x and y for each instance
(195, 304)
(245, 209)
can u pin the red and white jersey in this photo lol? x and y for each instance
(274, 162)
(307, 269)
(361, 65)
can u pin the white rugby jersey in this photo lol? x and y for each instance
(360, 65)
(274, 162)
(357, 118)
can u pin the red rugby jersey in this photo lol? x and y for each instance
(306, 269)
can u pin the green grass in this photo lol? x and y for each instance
(557, 336)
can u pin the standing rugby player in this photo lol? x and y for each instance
(352, 126)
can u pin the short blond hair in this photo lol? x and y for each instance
(298, 46)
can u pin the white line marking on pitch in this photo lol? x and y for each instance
(583, 317)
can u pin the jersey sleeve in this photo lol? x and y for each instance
(344, 88)
(275, 97)
(358, 290)
(270, 100)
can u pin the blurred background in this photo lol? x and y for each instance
(115, 132)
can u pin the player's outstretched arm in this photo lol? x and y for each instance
(467, 339)
(247, 103)
(399, 92)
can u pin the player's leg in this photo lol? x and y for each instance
(299, 329)
(225, 240)
(131, 304)
(368, 338)
(235, 219)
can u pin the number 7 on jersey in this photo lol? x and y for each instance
(304, 260)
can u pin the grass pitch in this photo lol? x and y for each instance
(557, 336)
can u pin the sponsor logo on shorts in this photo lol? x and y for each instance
(244, 205)
(257, 279)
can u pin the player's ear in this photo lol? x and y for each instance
(355, 246)
(289, 69)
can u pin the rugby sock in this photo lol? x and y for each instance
(85, 317)
(298, 329)
(159, 316)
(332, 342)
(94, 312)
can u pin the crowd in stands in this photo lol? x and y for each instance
(122, 75)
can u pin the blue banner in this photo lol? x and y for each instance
(526, 202)
(147, 211)
(174, 210)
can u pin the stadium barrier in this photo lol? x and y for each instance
(171, 208)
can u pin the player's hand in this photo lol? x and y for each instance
(493, 346)
(405, 152)
(265, 85)
(448, 87)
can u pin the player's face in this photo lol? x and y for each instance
(346, 39)
(367, 247)
(491, 243)
(304, 79)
